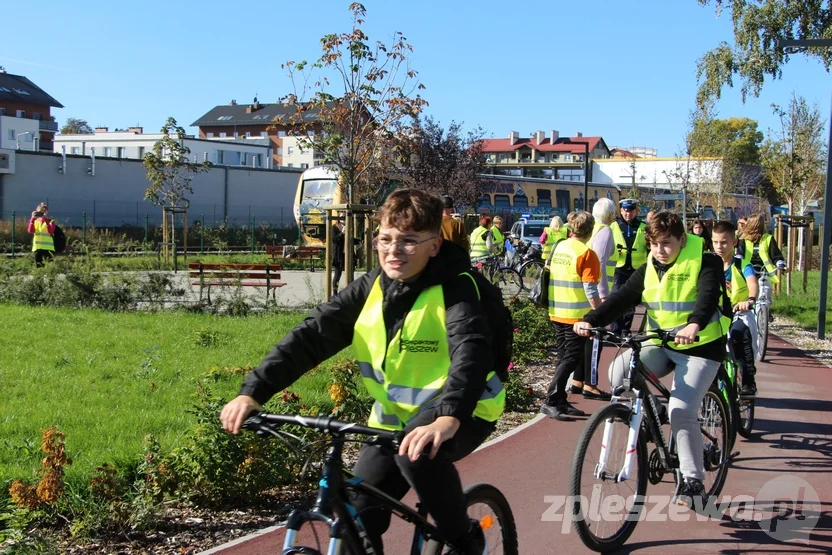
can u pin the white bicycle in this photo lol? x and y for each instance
(763, 313)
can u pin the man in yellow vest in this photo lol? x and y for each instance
(684, 290)
(498, 235)
(43, 228)
(741, 283)
(482, 240)
(573, 291)
(628, 234)
(422, 342)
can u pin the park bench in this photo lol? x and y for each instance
(312, 255)
(229, 275)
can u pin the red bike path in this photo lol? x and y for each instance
(792, 437)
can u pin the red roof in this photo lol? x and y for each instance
(504, 145)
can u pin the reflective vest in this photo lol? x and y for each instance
(638, 251)
(567, 298)
(671, 299)
(478, 247)
(765, 243)
(407, 376)
(612, 261)
(552, 237)
(499, 239)
(739, 286)
(43, 241)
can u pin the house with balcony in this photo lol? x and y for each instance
(26, 120)
(542, 156)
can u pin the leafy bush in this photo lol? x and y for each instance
(519, 396)
(534, 333)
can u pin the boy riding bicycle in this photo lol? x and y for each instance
(741, 283)
(683, 289)
(445, 398)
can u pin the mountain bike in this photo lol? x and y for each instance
(763, 312)
(616, 437)
(728, 383)
(332, 507)
(507, 279)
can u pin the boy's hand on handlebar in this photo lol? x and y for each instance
(743, 306)
(434, 434)
(235, 412)
(686, 335)
(581, 328)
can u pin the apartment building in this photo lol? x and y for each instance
(26, 120)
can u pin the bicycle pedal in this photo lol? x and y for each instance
(748, 397)
(733, 455)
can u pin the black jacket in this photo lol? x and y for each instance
(710, 297)
(329, 329)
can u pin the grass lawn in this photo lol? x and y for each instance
(108, 379)
(803, 307)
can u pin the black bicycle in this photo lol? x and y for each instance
(332, 506)
(612, 450)
(508, 280)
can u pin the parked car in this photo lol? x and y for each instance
(529, 230)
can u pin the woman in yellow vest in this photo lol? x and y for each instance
(760, 249)
(423, 347)
(683, 289)
(43, 228)
(552, 234)
(482, 240)
(573, 291)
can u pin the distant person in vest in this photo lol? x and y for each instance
(678, 275)
(499, 236)
(421, 295)
(551, 235)
(628, 233)
(573, 291)
(700, 230)
(482, 240)
(742, 287)
(339, 240)
(43, 229)
(452, 229)
(759, 248)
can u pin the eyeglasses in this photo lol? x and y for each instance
(407, 246)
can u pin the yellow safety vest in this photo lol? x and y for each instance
(765, 242)
(407, 376)
(671, 299)
(43, 241)
(638, 250)
(552, 237)
(567, 298)
(612, 261)
(478, 247)
(739, 286)
(499, 239)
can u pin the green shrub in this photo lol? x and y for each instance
(534, 333)
(519, 396)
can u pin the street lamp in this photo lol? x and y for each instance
(586, 168)
(34, 144)
(794, 47)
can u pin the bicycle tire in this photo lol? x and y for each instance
(508, 281)
(745, 409)
(578, 511)
(530, 272)
(762, 331)
(729, 398)
(492, 497)
(713, 413)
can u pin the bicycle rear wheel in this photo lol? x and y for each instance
(488, 506)
(509, 281)
(530, 273)
(715, 423)
(606, 532)
(762, 311)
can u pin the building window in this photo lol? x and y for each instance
(280, 151)
(304, 166)
(281, 133)
(310, 133)
(219, 157)
(290, 165)
(243, 156)
(141, 152)
(122, 152)
(108, 151)
(209, 135)
(248, 134)
(75, 150)
(21, 113)
(36, 115)
(223, 135)
(290, 151)
(264, 134)
(2, 111)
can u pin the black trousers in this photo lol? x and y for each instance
(583, 373)
(742, 343)
(572, 357)
(436, 480)
(337, 272)
(41, 255)
(625, 323)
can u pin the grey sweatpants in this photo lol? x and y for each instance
(691, 380)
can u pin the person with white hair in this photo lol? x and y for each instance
(552, 235)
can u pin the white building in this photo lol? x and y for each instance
(19, 133)
(133, 143)
(659, 173)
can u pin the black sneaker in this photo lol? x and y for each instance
(571, 410)
(472, 544)
(691, 495)
(748, 389)
(555, 412)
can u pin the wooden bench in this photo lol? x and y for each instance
(225, 275)
(291, 252)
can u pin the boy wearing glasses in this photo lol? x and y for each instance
(423, 345)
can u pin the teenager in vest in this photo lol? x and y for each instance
(551, 235)
(628, 233)
(741, 284)
(701, 230)
(482, 240)
(758, 248)
(43, 228)
(677, 274)
(446, 401)
(573, 290)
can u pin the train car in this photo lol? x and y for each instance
(317, 188)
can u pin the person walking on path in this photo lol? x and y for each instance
(43, 228)
(452, 229)
(338, 255)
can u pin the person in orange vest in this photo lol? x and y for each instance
(43, 228)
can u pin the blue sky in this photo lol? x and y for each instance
(622, 70)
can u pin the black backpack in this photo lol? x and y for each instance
(59, 239)
(500, 322)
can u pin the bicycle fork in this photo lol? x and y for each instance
(632, 442)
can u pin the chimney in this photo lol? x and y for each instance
(554, 136)
(579, 134)
(513, 136)
(137, 130)
(539, 136)
(102, 129)
(232, 103)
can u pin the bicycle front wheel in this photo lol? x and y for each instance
(606, 433)
(530, 273)
(509, 281)
(762, 311)
(715, 423)
(745, 411)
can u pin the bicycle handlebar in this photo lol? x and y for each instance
(665, 335)
(264, 422)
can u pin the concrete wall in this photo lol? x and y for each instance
(114, 196)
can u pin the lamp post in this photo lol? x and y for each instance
(586, 168)
(23, 134)
(794, 47)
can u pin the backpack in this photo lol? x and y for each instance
(59, 239)
(500, 322)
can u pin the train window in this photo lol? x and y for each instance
(562, 197)
(502, 201)
(544, 198)
(484, 200)
(521, 201)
